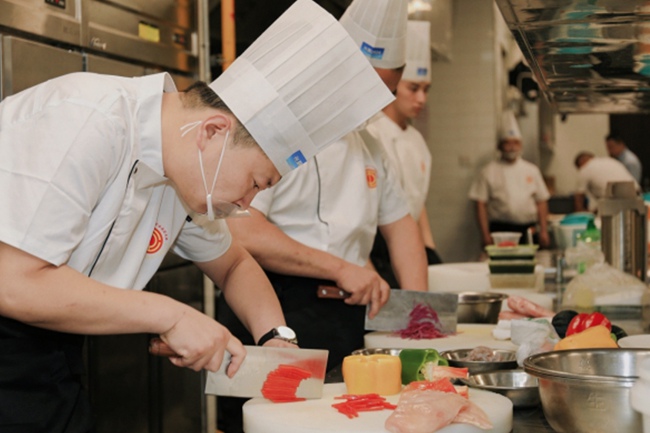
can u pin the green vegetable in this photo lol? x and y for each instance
(618, 332)
(414, 360)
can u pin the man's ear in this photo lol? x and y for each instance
(216, 125)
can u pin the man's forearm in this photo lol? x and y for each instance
(408, 258)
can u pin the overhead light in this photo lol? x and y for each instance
(416, 6)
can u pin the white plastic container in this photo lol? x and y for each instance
(640, 393)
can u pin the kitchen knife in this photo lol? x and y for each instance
(394, 315)
(259, 362)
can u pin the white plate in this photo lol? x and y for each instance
(635, 341)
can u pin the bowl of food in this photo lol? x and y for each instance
(481, 359)
(479, 307)
(520, 387)
(588, 390)
(377, 351)
(505, 239)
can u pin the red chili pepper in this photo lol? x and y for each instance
(585, 320)
(354, 404)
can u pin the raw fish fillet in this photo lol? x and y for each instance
(427, 411)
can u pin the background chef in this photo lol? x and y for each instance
(94, 167)
(405, 146)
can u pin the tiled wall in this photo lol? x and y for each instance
(461, 123)
(461, 128)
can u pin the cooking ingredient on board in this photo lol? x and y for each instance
(429, 410)
(423, 323)
(368, 374)
(594, 337)
(561, 321)
(282, 383)
(586, 320)
(443, 384)
(355, 403)
(482, 353)
(413, 361)
(522, 308)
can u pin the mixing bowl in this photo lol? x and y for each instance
(588, 390)
(479, 307)
(377, 351)
(504, 360)
(520, 387)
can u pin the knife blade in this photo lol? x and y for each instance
(394, 315)
(258, 364)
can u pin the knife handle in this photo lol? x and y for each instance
(160, 348)
(331, 292)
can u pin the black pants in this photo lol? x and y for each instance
(319, 324)
(40, 381)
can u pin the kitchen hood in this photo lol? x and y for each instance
(588, 56)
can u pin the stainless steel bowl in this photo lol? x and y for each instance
(588, 390)
(507, 359)
(479, 307)
(520, 387)
(377, 351)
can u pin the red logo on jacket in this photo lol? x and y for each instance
(371, 177)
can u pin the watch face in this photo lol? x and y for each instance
(286, 332)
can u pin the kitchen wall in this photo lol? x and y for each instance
(461, 122)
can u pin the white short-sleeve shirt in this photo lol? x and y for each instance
(594, 176)
(335, 201)
(511, 191)
(410, 156)
(82, 182)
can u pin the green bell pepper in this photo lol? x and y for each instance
(414, 360)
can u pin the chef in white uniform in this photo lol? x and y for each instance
(98, 175)
(318, 224)
(404, 145)
(510, 193)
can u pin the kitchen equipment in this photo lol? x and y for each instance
(318, 416)
(259, 362)
(588, 390)
(394, 315)
(377, 351)
(467, 335)
(504, 360)
(520, 387)
(479, 307)
(623, 214)
(565, 232)
(53, 19)
(641, 341)
(641, 394)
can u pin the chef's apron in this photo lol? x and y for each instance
(40, 381)
(319, 324)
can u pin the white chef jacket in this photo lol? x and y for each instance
(335, 201)
(410, 156)
(594, 176)
(82, 182)
(632, 163)
(511, 191)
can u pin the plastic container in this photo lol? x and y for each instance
(501, 237)
(566, 232)
(512, 266)
(520, 252)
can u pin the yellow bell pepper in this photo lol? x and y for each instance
(591, 338)
(372, 374)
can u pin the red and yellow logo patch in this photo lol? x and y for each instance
(529, 179)
(156, 242)
(371, 177)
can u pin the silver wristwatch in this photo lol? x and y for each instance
(281, 333)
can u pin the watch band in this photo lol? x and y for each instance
(275, 333)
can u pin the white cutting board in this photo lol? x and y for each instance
(318, 416)
(468, 336)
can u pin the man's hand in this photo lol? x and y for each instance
(365, 286)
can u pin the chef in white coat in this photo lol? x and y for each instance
(98, 175)
(317, 225)
(404, 145)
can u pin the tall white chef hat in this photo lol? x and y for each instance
(379, 29)
(418, 52)
(301, 86)
(509, 126)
